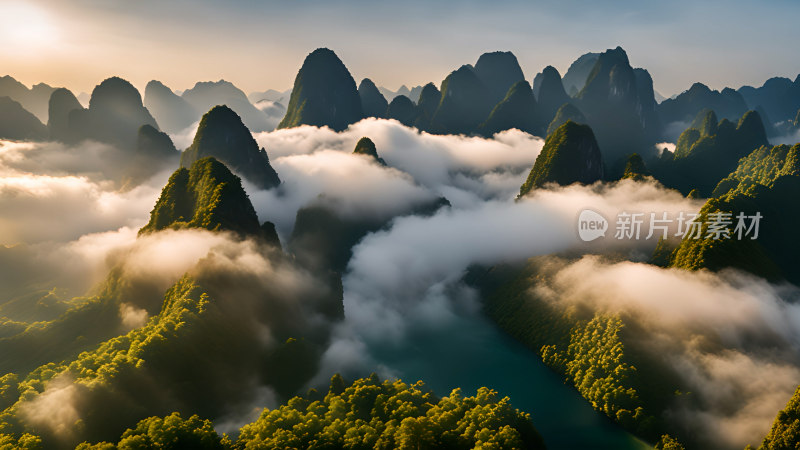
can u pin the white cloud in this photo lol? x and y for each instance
(721, 332)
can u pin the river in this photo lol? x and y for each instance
(471, 352)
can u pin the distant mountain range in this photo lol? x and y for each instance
(600, 89)
(466, 99)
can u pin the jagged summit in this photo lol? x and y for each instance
(206, 195)
(222, 134)
(619, 104)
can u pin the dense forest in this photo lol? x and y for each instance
(228, 261)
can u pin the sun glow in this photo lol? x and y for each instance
(26, 28)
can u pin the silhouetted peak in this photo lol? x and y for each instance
(403, 109)
(221, 87)
(617, 54)
(366, 83)
(577, 73)
(9, 86)
(429, 99)
(373, 102)
(521, 87)
(220, 120)
(324, 93)
(215, 84)
(155, 143)
(566, 112)
(114, 92)
(777, 83)
(464, 70)
(516, 110)
(699, 88)
(551, 72)
(18, 123)
(498, 71)
(324, 56)
(155, 86)
(550, 94)
(62, 102)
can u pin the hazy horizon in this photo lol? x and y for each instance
(80, 44)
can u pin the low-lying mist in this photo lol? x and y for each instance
(732, 337)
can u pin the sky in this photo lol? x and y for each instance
(260, 45)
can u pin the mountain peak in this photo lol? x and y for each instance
(698, 87)
(223, 135)
(516, 110)
(635, 168)
(551, 71)
(373, 103)
(324, 93)
(550, 94)
(753, 127)
(429, 99)
(114, 93)
(366, 147)
(62, 102)
(206, 195)
(617, 54)
(114, 116)
(173, 113)
(566, 112)
(401, 108)
(498, 71)
(465, 103)
(570, 155)
(578, 72)
(19, 123)
(157, 87)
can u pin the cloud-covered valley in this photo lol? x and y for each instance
(67, 224)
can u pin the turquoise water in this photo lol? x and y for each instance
(472, 352)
